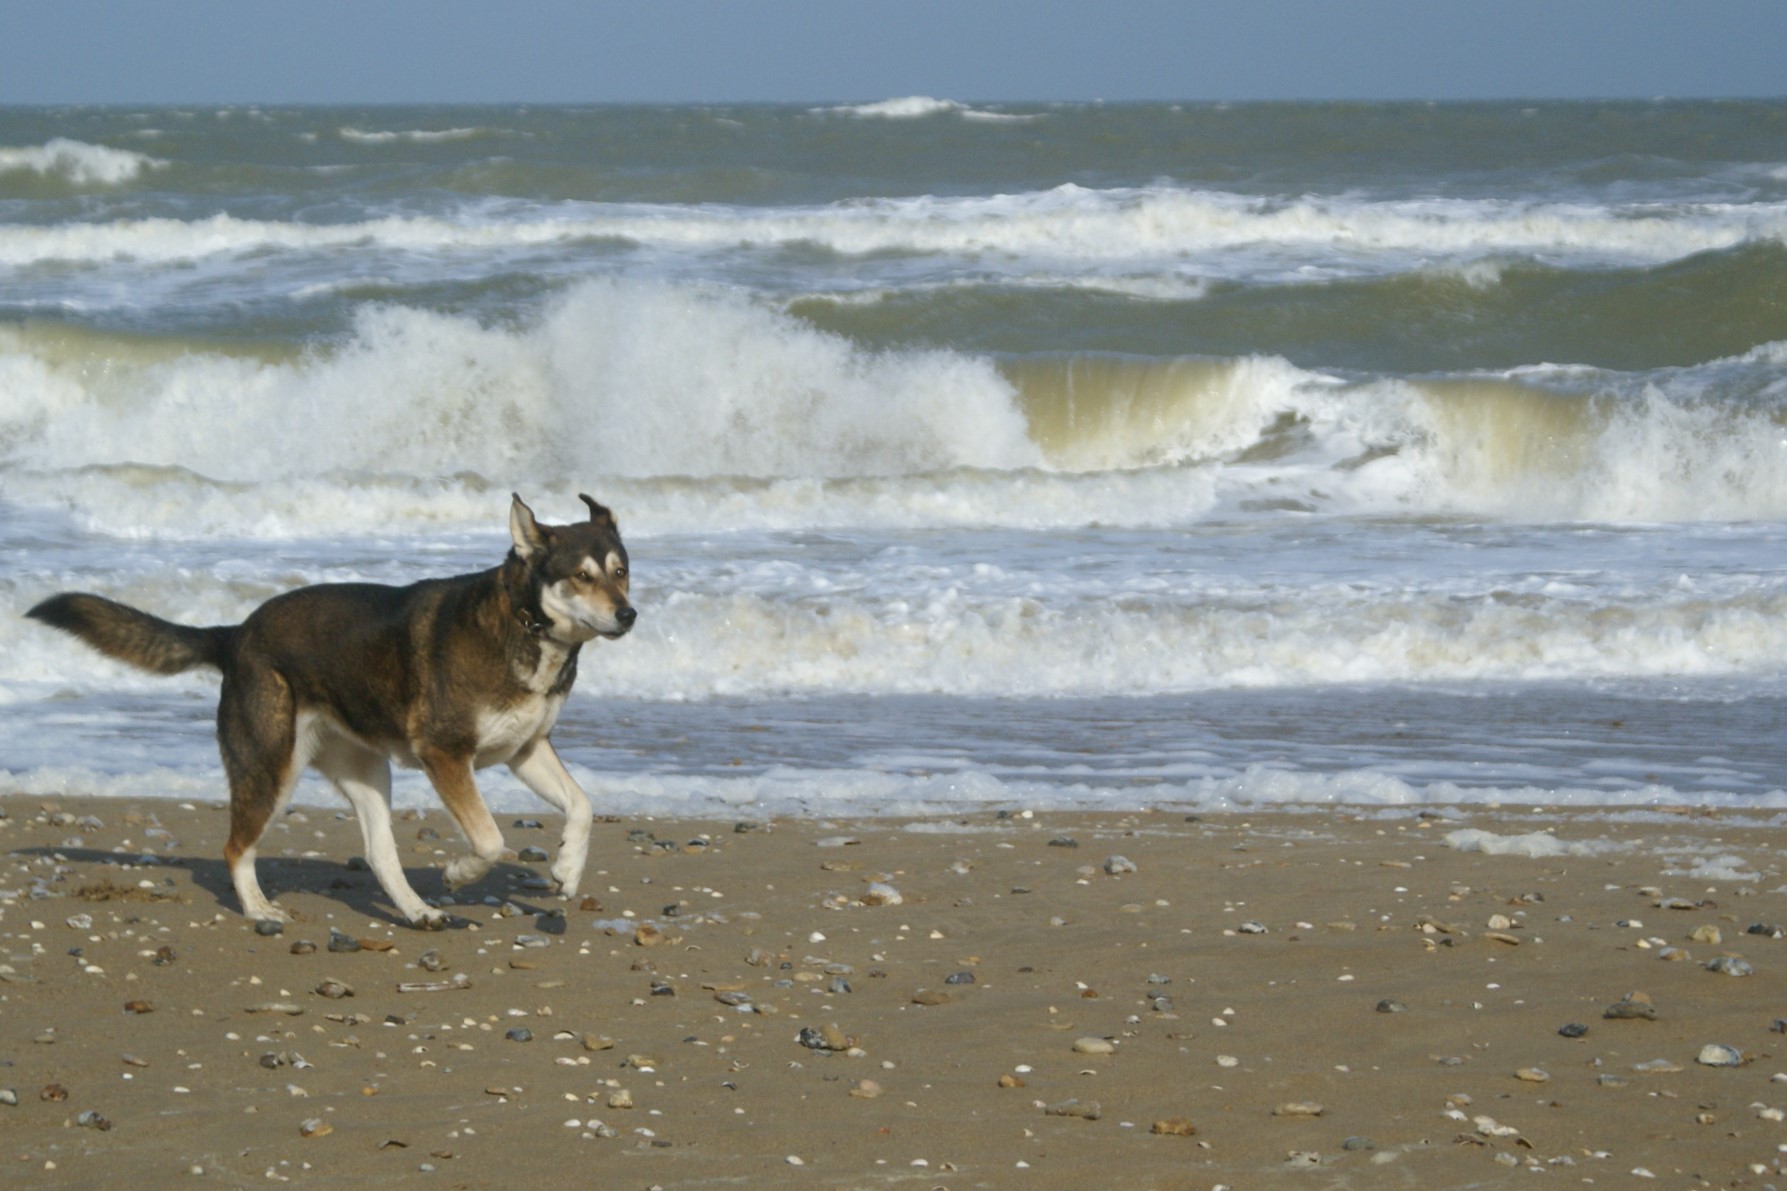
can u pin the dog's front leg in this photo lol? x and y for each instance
(451, 774)
(540, 769)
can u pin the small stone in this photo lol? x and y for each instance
(532, 854)
(269, 927)
(1011, 1081)
(1572, 1030)
(431, 961)
(1387, 1005)
(1251, 928)
(866, 1089)
(1533, 1074)
(1174, 1127)
(9, 1097)
(1094, 1046)
(1708, 934)
(1714, 1054)
(1730, 965)
(620, 1098)
(519, 1034)
(138, 1007)
(342, 943)
(315, 1127)
(334, 990)
(1063, 841)
(932, 996)
(1358, 1143)
(647, 935)
(303, 947)
(959, 978)
(1765, 929)
(93, 1120)
(1117, 866)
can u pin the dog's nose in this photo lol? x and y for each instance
(626, 616)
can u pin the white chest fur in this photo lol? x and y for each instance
(502, 734)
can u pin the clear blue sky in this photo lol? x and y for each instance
(397, 51)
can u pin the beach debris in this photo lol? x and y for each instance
(9, 1097)
(1064, 841)
(519, 1034)
(1706, 933)
(1766, 930)
(1251, 928)
(289, 1008)
(647, 935)
(334, 990)
(268, 927)
(1573, 1029)
(1391, 1005)
(431, 961)
(1302, 1158)
(1173, 1127)
(315, 1127)
(1300, 1108)
(1008, 1080)
(1085, 1110)
(865, 1089)
(53, 1093)
(880, 893)
(963, 977)
(93, 1120)
(459, 980)
(827, 1038)
(1657, 1067)
(1357, 1143)
(932, 996)
(620, 1098)
(1715, 1054)
(532, 853)
(342, 943)
(1634, 1006)
(1117, 866)
(138, 1008)
(1532, 1075)
(1094, 1046)
(1730, 965)
(303, 947)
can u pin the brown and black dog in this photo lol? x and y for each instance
(445, 675)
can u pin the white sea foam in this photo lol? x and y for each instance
(1070, 225)
(908, 107)
(79, 163)
(1538, 845)
(414, 135)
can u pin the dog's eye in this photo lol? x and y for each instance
(586, 576)
(620, 573)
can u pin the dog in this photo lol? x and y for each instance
(446, 675)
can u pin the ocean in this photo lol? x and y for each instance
(970, 456)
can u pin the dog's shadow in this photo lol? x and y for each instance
(346, 883)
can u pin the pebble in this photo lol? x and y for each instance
(866, 1089)
(93, 1120)
(1708, 934)
(269, 927)
(1174, 1127)
(1573, 1029)
(334, 990)
(519, 1034)
(1387, 1005)
(342, 943)
(1358, 1143)
(1714, 1054)
(1532, 1074)
(959, 978)
(9, 1097)
(315, 1127)
(431, 961)
(1251, 928)
(1730, 965)
(532, 853)
(303, 947)
(1094, 1046)
(1116, 866)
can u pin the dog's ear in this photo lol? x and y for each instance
(529, 538)
(598, 514)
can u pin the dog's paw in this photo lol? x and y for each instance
(432, 920)
(268, 912)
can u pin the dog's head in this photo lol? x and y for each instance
(569, 582)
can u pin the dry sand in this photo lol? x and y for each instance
(152, 1038)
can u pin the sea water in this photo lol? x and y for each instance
(970, 456)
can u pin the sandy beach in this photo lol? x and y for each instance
(1149, 1000)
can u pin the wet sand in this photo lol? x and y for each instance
(1335, 996)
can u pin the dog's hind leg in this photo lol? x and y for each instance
(257, 733)
(364, 779)
(452, 778)
(539, 767)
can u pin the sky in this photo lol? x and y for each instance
(707, 51)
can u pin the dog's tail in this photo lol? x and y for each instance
(146, 642)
